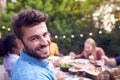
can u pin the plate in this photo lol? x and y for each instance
(53, 58)
(73, 70)
(81, 79)
(81, 60)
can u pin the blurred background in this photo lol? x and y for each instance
(72, 22)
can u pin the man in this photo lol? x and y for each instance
(30, 28)
(112, 61)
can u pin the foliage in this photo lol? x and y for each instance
(5, 21)
(67, 17)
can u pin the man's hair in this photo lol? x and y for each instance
(27, 18)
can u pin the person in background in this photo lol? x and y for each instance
(90, 51)
(11, 52)
(2, 54)
(54, 49)
(111, 61)
(30, 28)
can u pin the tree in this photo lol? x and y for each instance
(67, 17)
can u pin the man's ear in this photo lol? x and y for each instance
(19, 42)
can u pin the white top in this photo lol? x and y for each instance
(10, 60)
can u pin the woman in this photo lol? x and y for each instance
(90, 49)
(11, 52)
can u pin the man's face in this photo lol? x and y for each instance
(36, 41)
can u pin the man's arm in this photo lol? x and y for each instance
(117, 60)
(109, 61)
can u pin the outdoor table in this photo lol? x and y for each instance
(84, 71)
(71, 76)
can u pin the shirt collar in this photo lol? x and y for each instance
(33, 60)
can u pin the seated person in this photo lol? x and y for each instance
(112, 61)
(11, 52)
(90, 49)
(54, 49)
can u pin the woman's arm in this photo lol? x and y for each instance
(76, 56)
(80, 55)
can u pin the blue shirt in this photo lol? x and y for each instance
(30, 68)
(117, 60)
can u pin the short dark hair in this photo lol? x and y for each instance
(27, 18)
(10, 42)
(7, 44)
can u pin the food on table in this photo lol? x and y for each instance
(74, 69)
(83, 65)
(93, 71)
(90, 70)
(81, 78)
(61, 75)
(55, 60)
(95, 75)
(116, 72)
(80, 63)
(56, 63)
(91, 59)
(64, 67)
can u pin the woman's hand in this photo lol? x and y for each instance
(91, 59)
(72, 54)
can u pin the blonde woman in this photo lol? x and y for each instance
(90, 49)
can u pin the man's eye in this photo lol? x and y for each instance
(47, 35)
(33, 39)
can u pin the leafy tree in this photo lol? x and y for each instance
(67, 17)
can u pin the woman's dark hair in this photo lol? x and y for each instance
(2, 51)
(27, 18)
(7, 44)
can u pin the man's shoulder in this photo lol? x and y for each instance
(23, 75)
(22, 69)
(21, 66)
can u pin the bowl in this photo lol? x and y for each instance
(64, 69)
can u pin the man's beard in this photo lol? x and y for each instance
(31, 52)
